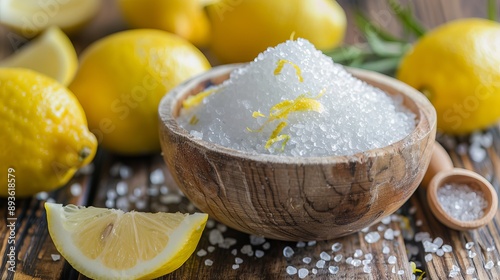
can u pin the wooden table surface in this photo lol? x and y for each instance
(148, 190)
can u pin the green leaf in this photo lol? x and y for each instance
(406, 17)
(492, 10)
(386, 65)
(384, 48)
(365, 24)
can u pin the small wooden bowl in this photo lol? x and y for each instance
(296, 198)
(474, 181)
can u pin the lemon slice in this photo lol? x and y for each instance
(110, 244)
(30, 17)
(51, 54)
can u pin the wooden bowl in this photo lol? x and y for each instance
(474, 181)
(296, 198)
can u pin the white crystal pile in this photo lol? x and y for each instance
(461, 201)
(354, 116)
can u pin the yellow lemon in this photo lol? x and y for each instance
(44, 135)
(110, 244)
(243, 29)
(30, 17)
(457, 66)
(185, 18)
(121, 80)
(51, 54)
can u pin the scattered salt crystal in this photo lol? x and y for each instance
(153, 191)
(419, 236)
(401, 272)
(111, 194)
(266, 246)
(288, 252)
(381, 228)
(391, 260)
(348, 260)
(164, 189)
(227, 242)
(122, 188)
(419, 223)
(477, 153)
(356, 107)
(447, 248)
(42, 195)
(428, 257)
(306, 260)
(109, 203)
(314, 271)
(311, 243)
(366, 229)
(389, 234)
(325, 256)
(236, 266)
(246, 249)
(303, 272)
(122, 203)
(170, 199)
(471, 254)
(210, 249)
(455, 268)
(320, 264)
(125, 172)
(490, 249)
(469, 245)
(489, 265)
(201, 253)
(291, 270)
(337, 258)
(55, 257)
(336, 247)
(300, 244)
(438, 241)
(440, 252)
(461, 201)
(222, 227)
(356, 262)
(367, 269)
(453, 274)
(372, 237)
(386, 250)
(209, 262)
(259, 253)
(238, 260)
(369, 256)
(210, 223)
(257, 240)
(333, 269)
(397, 232)
(358, 253)
(76, 189)
(215, 237)
(366, 262)
(430, 247)
(470, 270)
(157, 177)
(386, 220)
(412, 210)
(462, 149)
(234, 252)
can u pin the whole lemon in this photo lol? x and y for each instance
(185, 18)
(457, 65)
(121, 80)
(44, 136)
(244, 28)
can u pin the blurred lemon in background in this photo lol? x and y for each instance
(457, 65)
(185, 18)
(44, 135)
(243, 29)
(30, 17)
(51, 53)
(121, 80)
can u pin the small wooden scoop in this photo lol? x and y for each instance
(441, 172)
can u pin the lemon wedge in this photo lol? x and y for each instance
(30, 17)
(110, 244)
(51, 54)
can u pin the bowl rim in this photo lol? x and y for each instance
(167, 120)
